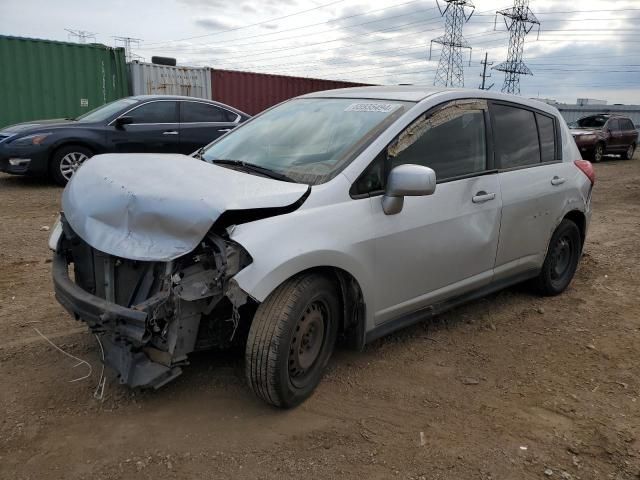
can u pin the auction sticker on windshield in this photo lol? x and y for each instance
(372, 107)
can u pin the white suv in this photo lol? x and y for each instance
(346, 213)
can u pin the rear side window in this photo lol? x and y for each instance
(613, 125)
(155, 112)
(191, 112)
(627, 124)
(516, 137)
(547, 137)
(451, 141)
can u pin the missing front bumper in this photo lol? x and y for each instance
(123, 331)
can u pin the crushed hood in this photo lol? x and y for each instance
(157, 207)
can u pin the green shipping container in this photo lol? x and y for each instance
(42, 79)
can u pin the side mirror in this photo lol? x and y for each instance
(122, 121)
(407, 180)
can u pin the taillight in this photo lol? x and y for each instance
(586, 168)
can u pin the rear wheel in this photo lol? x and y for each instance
(628, 155)
(66, 160)
(562, 259)
(598, 152)
(291, 340)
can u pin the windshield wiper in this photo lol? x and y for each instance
(255, 168)
(198, 153)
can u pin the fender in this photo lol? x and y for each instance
(259, 282)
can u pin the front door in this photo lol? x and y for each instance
(201, 123)
(442, 245)
(154, 129)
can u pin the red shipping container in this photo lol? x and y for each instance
(254, 92)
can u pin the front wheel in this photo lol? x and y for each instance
(562, 259)
(291, 340)
(66, 160)
(628, 155)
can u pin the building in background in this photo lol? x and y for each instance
(42, 79)
(590, 101)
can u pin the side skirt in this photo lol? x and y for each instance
(438, 308)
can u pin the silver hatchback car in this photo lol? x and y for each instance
(346, 213)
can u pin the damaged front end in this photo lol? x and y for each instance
(151, 314)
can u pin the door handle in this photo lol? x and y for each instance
(170, 132)
(558, 181)
(482, 197)
(225, 129)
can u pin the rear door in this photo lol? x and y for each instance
(616, 139)
(533, 185)
(155, 128)
(442, 245)
(629, 131)
(201, 123)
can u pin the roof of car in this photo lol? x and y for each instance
(169, 97)
(141, 98)
(409, 93)
(416, 93)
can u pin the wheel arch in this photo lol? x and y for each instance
(580, 219)
(352, 289)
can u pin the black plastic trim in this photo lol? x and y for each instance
(237, 217)
(437, 308)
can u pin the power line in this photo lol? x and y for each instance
(226, 43)
(253, 24)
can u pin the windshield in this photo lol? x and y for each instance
(309, 140)
(597, 121)
(105, 112)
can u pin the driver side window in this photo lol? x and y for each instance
(451, 140)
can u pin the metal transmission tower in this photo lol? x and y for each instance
(519, 20)
(81, 35)
(450, 72)
(127, 43)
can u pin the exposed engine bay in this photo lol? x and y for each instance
(151, 315)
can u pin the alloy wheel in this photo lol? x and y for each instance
(70, 163)
(630, 152)
(599, 153)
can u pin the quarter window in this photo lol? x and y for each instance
(155, 112)
(516, 137)
(191, 112)
(451, 141)
(547, 138)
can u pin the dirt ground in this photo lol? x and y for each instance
(509, 387)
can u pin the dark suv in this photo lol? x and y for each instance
(144, 123)
(598, 135)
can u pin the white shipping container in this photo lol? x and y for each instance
(152, 79)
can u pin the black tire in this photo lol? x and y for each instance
(62, 162)
(274, 370)
(598, 152)
(628, 155)
(561, 262)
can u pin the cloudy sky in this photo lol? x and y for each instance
(586, 48)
